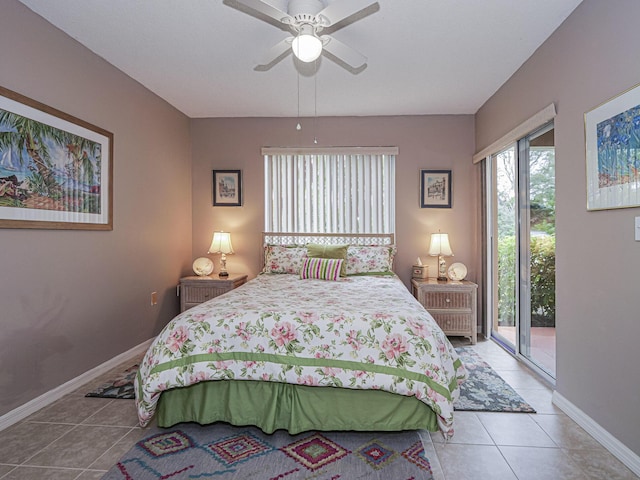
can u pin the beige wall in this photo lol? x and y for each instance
(71, 300)
(444, 142)
(588, 60)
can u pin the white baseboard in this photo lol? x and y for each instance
(608, 441)
(23, 411)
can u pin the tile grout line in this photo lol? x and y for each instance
(71, 424)
(556, 447)
(507, 462)
(14, 467)
(111, 447)
(49, 444)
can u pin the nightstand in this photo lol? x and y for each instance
(195, 290)
(452, 304)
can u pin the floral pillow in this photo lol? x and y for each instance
(283, 258)
(370, 259)
(321, 268)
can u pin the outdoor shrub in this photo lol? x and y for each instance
(506, 281)
(543, 281)
(543, 285)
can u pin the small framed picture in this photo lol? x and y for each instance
(435, 188)
(227, 188)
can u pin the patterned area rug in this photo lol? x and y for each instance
(224, 452)
(485, 390)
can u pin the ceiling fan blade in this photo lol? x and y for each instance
(268, 10)
(348, 55)
(275, 52)
(341, 9)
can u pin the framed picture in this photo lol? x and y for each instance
(227, 188)
(55, 170)
(435, 188)
(612, 135)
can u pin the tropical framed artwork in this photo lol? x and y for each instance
(612, 144)
(435, 188)
(55, 169)
(227, 188)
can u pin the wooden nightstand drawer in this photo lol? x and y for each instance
(448, 300)
(196, 290)
(197, 294)
(453, 322)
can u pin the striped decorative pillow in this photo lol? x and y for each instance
(321, 268)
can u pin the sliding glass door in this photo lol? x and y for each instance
(504, 229)
(521, 248)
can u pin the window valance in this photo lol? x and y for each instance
(539, 119)
(329, 150)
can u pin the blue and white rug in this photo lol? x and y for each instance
(485, 390)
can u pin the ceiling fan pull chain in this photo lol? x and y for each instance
(315, 102)
(298, 126)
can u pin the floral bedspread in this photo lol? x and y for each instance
(359, 332)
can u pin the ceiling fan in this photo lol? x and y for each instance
(306, 19)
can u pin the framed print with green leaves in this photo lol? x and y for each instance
(55, 169)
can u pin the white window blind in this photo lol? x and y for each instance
(330, 190)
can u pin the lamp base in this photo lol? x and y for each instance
(442, 269)
(223, 266)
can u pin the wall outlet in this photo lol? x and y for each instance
(154, 298)
(637, 229)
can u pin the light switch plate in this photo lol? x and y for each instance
(637, 229)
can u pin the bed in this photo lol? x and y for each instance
(327, 337)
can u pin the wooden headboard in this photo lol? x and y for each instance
(280, 238)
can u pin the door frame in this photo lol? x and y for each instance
(522, 230)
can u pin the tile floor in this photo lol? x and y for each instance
(543, 345)
(81, 438)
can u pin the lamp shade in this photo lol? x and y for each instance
(221, 243)
(306, 46)
(440, 245)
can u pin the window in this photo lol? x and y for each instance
(336, 190)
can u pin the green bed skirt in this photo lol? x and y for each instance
(296, 408)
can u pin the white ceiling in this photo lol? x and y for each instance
(424, 56)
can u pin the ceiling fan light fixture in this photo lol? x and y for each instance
(306, 46)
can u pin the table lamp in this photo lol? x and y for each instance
(440, 248)
(221, 243)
